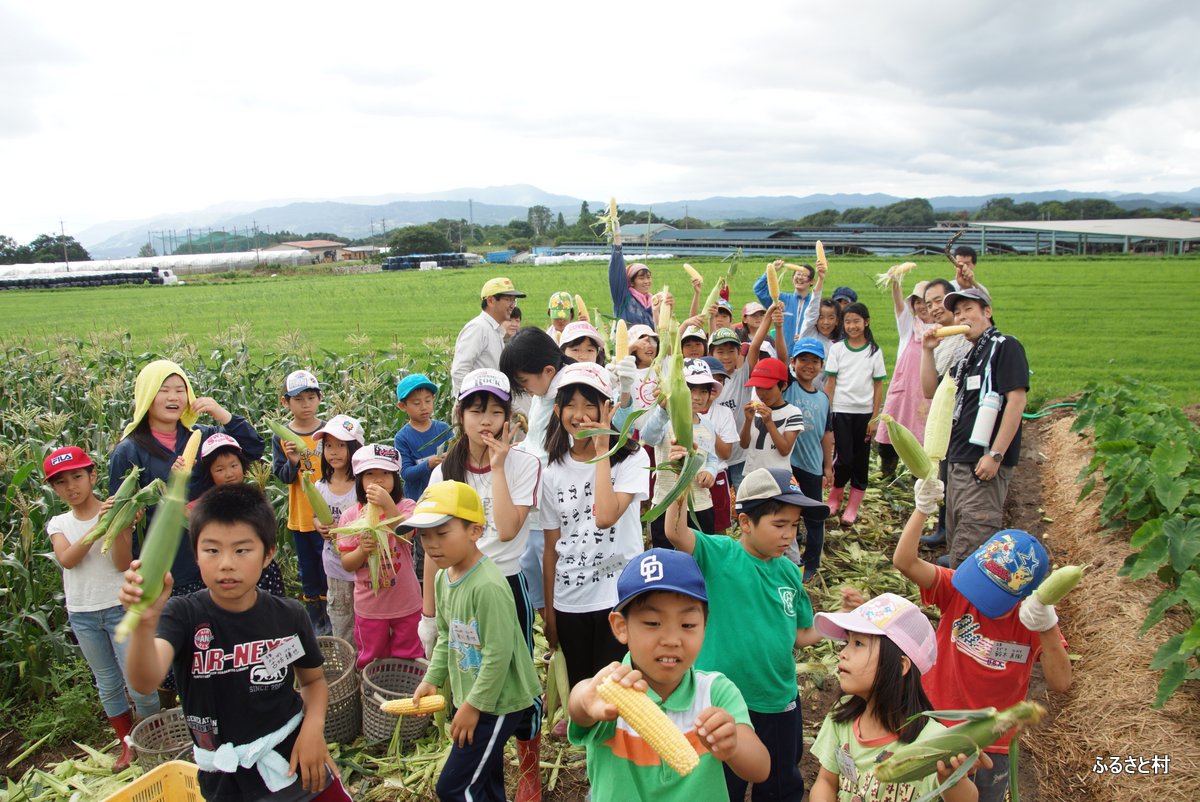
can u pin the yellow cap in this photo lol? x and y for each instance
(443, 501)
(499, 286)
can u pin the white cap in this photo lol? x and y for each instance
(343, 427)
(487, 380)
(577, 331)
(376, 455)
(587, 373)
(218, 440)
(694, 331)
(298, 381)
(639, 331)
(697, 371)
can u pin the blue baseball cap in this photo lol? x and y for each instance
(808, 345)
(660, 569)
(414, 381)
(715, 366)
(1002, 572)
(847, 293)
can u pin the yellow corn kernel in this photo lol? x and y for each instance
(773, 283)
(652, 724)
(692, 272)
(621, 341)
(190, 450)
(664, 312)
(405, 707)
(820, 251)
(581, 310)
(949, 331)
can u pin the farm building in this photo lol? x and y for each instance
(362, 251)
(636, 233)
(322, 250)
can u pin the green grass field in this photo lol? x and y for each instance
(1079, 319)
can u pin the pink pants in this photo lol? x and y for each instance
(377, 638)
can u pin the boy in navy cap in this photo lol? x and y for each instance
(661, 613)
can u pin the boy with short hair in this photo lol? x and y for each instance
(302, 398)
(237, 653)
(418, 442)
(812, 455)
(759, 614)
(770, 424)
(492, 682)
(661, 615)
(90, 585)
(723, 315)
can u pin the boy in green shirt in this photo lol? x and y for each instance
(480, 646)
(661, 611)
(760, 613)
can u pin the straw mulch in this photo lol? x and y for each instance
(1107, 711)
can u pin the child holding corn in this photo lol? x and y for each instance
(812, 455)
(340, 440)
(90, 585)
(420, 441)
(302, 398)
(890, 645)
(480, 648)
(993, 628)
(660, 615)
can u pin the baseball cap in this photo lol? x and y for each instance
(640, 330)
(725, 335)
(561, 306)
(768, 348)
(767, 373)
(579, 330)
(445, 500)
(696, 371)
(972, 294)
(918, 291)
(68, 458)
(694, 333)
(724, 304)
(414, 381)
(772, 484)
(218, 440)
(715, 366)
(587, 373)
(752, 308)
(845, 292)
(376, 455)
(343, 427)
(298, 381)
(895, 618)
(660, 570)
(499, 286)
(488, 381)
(808, 345)
(1002, 572)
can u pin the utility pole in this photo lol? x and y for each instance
(63, 229)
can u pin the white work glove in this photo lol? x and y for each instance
(929, 494)
(428, 633)
(624, 373)
(1037, 617)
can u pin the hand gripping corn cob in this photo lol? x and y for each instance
(287, 435)
(1060, 582)
(911, 452)
(949, 331)
(118, 512)
(405, 707)
(652, 724)
(773, 283)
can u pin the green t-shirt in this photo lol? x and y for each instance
(754, 609)
(477, 627)
(841, 751)
(622, 767)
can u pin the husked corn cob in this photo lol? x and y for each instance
(895, 273)
(581, 310)
(320, 508)
(621, 341)
(820, 251)
(664, 313)
(941, 418)
(692, 272)
(286, 435)
(191, 449)
(1060, 582)
(652, 724)
(950, 331)
(911, 452)
(710, 303)
(773, 283)
(913, 761)
(405, 707)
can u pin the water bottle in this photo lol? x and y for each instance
(985, 419)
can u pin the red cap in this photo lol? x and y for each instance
(69, 458)
(767, 373)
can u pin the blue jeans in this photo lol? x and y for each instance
(735, 477)
(95, 633)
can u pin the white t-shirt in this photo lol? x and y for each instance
(734, 397)
(541, 408)
(721, 420)
(762, 452)
(643, 390)
(331, 559)
(524, 473)
(590, 559)
(93, 584)
(856, 372)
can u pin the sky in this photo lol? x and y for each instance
(135, 109)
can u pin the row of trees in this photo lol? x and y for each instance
(44, 248)
(1005, 209)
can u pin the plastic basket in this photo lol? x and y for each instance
(384, 680)
(343, 717)
(162, 737)
(173, 781)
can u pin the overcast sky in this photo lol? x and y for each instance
(113, 111)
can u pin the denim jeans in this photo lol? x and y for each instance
(95, 633)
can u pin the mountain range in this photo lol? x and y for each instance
(359, 216)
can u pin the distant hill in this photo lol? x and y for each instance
(355, 216)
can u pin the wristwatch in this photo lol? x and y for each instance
(996, 455)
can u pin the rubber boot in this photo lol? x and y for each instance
(851, 513)
(529, 776)
(835, 500)
(123, 725)
(317, 616)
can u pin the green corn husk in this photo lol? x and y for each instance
(148, 496)
(692, 464)
(370, 525)
(713, 296)
(126, 491)
(622, 436)
(287, 435)
(158, 551)
(1060, 582)
(315, 500)
(911, 452)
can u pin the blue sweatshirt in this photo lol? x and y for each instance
(625, 306)
(414, 447)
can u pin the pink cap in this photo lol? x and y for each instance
(577, 331)
(587, 373)
(218, 440)
(633, 269)
(752, 308)
(895, 618)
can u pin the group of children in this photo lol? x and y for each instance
(486, 532)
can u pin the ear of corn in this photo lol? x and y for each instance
(405, 707)
(949, 331)
(320, 508)
(146, 497)
(581, 310)
(820, 251)
(158, 549)
(773, 283)
(941, 418)
(895, 273)
(286, 435)
(621, 341)
(117, 512)
(558, 687)
(652, 724)
(369, 524)
(710, 303)
(913, 761)
(692, 272)
(191, 449)
(664, 313)
(1060, 582)
(908, 447)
